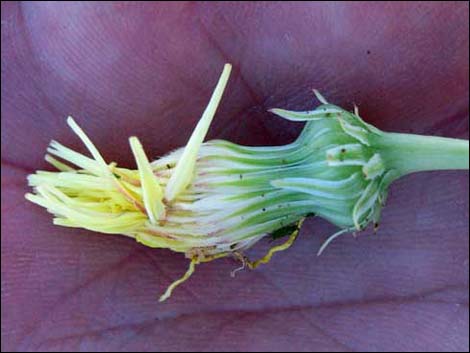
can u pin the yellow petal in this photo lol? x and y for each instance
(89, 145)
(183, 173)
(59, 165)
(151, 189)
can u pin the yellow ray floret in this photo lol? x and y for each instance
(89, 145)
(151, 190)
(59, 165)
(183, 173)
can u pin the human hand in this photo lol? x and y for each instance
(148, 70)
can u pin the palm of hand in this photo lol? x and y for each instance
(126, 70)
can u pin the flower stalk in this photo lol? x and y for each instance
(215, 199)
(408, 153)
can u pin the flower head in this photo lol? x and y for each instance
(216, 198)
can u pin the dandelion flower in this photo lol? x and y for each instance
(215, 199)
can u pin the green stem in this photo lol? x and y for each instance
(408, 153)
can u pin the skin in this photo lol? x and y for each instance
(148, 70)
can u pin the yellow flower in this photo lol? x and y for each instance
(214, 199)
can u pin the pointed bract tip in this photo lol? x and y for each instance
(319, 96)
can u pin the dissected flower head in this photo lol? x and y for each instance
(216, 198)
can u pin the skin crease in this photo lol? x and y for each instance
(148, 70)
